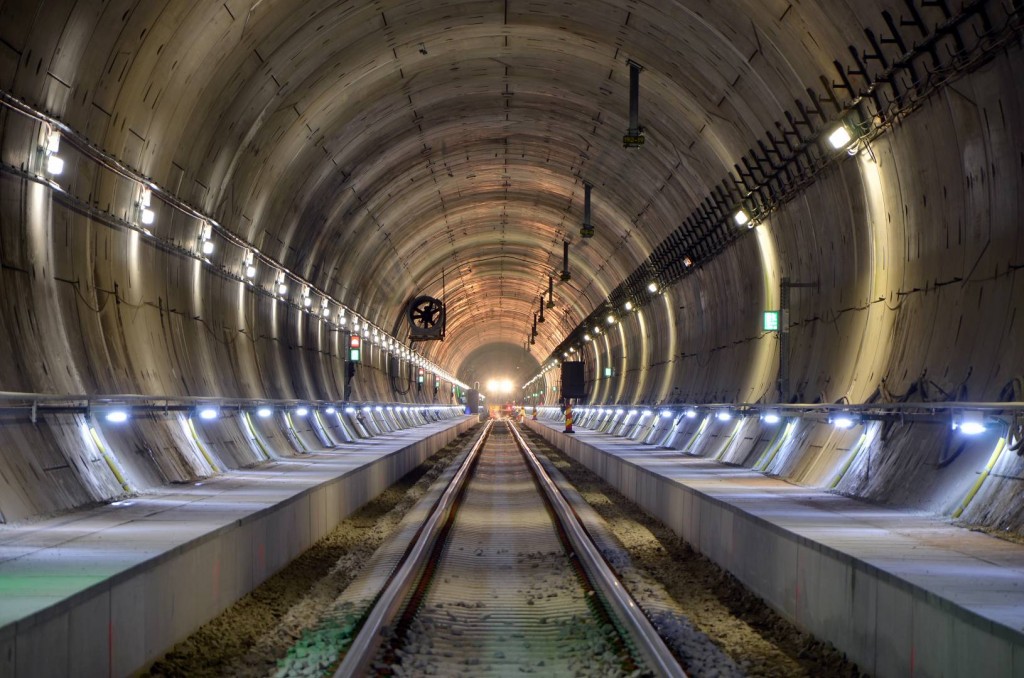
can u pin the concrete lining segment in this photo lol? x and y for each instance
(107, 590)
(901, 593)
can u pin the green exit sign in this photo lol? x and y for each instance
(771, 321)
(607, 371)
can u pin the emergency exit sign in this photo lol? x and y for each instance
(771, 321)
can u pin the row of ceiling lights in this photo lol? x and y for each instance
(842, 137)
(121, 415)
(327, 308)
(967, 421)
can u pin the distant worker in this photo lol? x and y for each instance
(534, 417)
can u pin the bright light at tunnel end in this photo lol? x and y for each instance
(503, 386)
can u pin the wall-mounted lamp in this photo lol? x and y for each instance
(842, 420)
(205, 235)
(146, 215)
(249, 264)
(970, 423)
(50, 145)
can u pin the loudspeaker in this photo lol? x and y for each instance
(572, 380)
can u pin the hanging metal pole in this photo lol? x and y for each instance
(540, 318)
(566, 276)
(635, 135)
(551, 292)
(587, 230)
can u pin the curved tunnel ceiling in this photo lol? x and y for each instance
(381, 148)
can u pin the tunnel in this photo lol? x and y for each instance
(780, 237)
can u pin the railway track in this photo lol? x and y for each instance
(502, 578)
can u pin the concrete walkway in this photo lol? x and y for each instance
(104, 591)
(903, 594)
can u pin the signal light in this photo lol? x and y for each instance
(355, 343)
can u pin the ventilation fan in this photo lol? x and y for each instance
(426, 316)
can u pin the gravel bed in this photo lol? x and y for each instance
(757, 640)
(505, 598)
(248, 638)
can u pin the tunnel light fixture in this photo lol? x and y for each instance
(610, 319)
(330, 409)
(249, 264)
(50, 146)
(301, 411)
(264, 412)
(843, 420)
(619, 411)
(51, 142)
(628, 306)
(646, 413)
(770, 417)
(54, 165)
(205, 233)
(350, 410)
(208, 412)
(741, 217)
(723, 415)
(586, 337)
(840, 137)
(146, 215)
(687, 262)
(117, 416)
(652, 287)
(970, 423)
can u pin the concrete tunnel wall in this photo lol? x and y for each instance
(915, 241)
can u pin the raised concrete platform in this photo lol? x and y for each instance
(106, 591)
(903, 594)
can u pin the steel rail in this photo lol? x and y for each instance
(621, 604)
(367, 642)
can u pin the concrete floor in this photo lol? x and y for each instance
(902, 593)
(106, 590)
